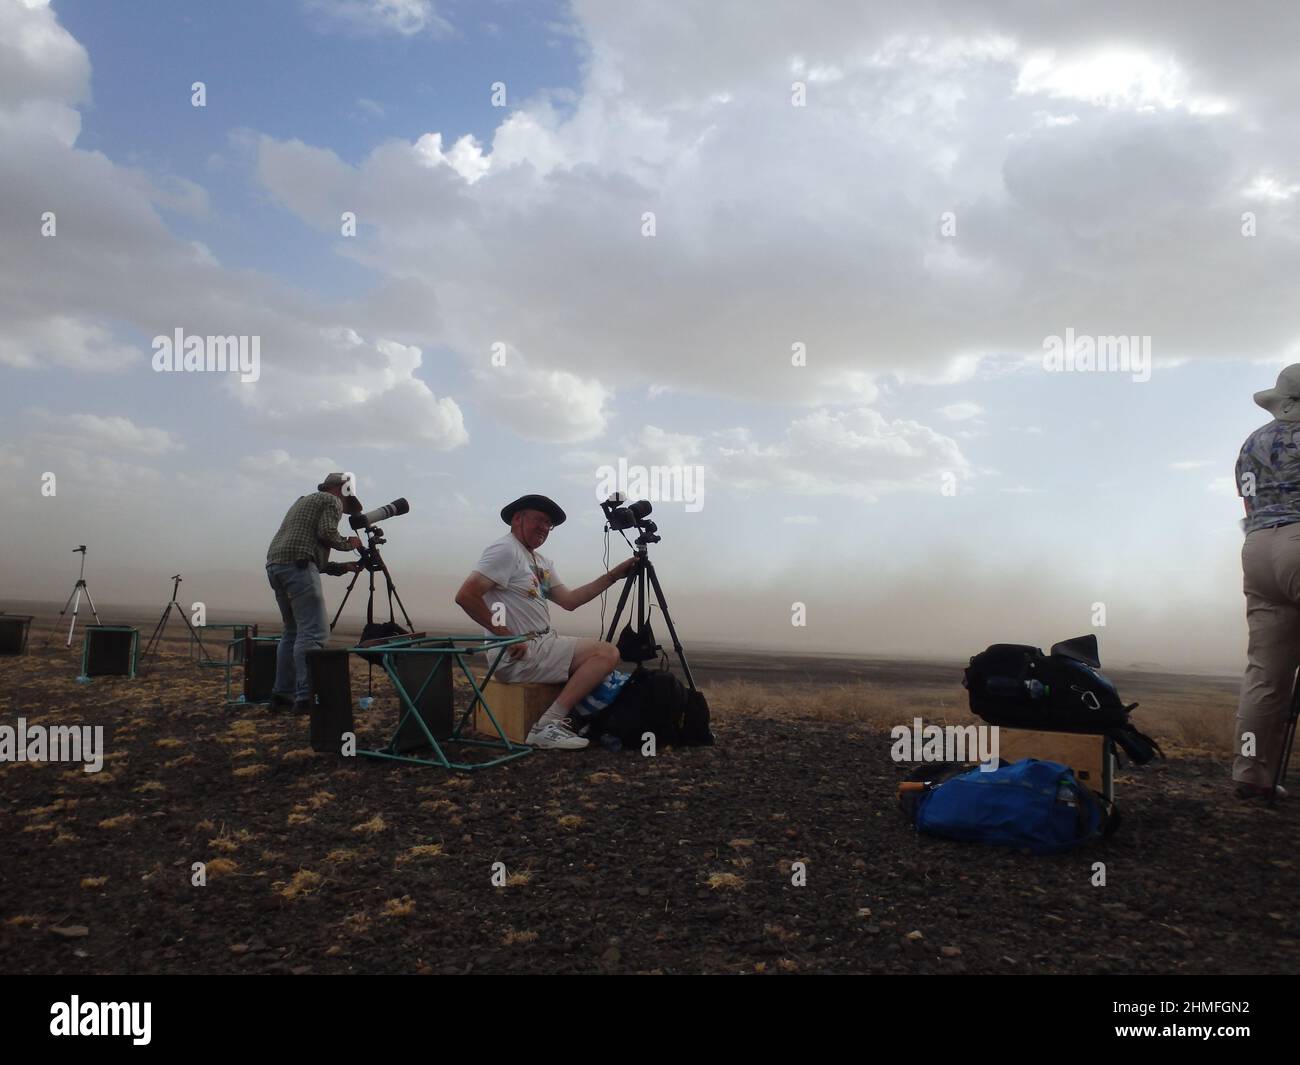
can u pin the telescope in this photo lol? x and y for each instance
(371, 517)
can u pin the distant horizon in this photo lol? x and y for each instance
(140, 613)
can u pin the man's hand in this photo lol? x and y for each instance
(354, 543)
(623, 568)
(516, 651)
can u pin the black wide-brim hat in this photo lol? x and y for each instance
(534, 502)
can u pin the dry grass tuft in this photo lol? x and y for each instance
(301, 754)
(422, 850)
(726, 881)
(403, 907)
(373, 826)
(303, 882)
(121, 821)
(512, 937)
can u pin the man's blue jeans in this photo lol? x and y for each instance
(302, 606)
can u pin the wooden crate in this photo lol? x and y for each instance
(515, 706)
(1091, 757)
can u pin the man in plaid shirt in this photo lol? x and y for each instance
(298, 555)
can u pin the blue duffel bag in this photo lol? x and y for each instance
(1032, 805)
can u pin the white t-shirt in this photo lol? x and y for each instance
(521, 583)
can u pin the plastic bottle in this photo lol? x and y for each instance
(1036, 688)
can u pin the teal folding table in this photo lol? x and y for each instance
(404, 661)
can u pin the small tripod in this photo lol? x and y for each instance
(644, 571)
(372, 562)
(158, 630)
(77, 589)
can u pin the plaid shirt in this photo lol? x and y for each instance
(309, 530)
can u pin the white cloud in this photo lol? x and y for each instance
(857, 453)
(962, 411)
(406, 18)
(115, 432)
(548, 405)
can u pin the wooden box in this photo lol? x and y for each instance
(1091, 757)
(515, 706)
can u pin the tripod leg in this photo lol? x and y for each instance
(91, 602)
(55, 627)
(194, 633)
(347, 592)
(155, 637)
(392, 594)
(672, 629)
(618, 610)
(76, 605)
(1279, 774)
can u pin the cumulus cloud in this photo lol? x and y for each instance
(110, 270)
(760, 239)
(541, 404)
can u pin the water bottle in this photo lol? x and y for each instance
(1036, 688)
(1066, 794)
(365, 702)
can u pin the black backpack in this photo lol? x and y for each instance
(655, 701)
(1018, 686)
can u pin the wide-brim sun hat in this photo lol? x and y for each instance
(534, 502)
(1283, 400)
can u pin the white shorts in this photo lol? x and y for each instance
(547, 661)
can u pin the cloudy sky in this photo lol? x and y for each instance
(815, 252)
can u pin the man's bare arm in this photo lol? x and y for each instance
(572, 598)
(470, 599)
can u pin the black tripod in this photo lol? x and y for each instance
(156, 638)
(372, 562)
(77, 589)
(643, 573)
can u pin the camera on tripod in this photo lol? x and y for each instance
(620, 515)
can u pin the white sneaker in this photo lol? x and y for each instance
(555, 735)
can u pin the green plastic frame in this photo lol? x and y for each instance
(85, 647)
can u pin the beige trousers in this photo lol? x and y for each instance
(1270, 565)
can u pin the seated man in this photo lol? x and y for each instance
(507, 594)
